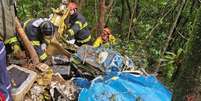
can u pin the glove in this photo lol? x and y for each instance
(17, 52)
(65, 36)
(112, 39)
(44, 47)
(16, 49)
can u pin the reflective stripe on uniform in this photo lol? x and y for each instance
(8, 98)
(85, 40)
(71, 32)
(2, 50)
(8, 87)
(35, 43)
(26, 22)
(81, 25)
(85, 25)
(98, 42)
(112, 39)
(43, 56)
(11, 40)
(1, 38)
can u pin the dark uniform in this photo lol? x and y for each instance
(7, 28)
(78, 28)
(36, 37)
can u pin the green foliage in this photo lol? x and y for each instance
(27, 9)
(170, 62)
(146, 39)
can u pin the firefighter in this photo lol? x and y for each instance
(106, 38)
(39, 31)
(77, 26)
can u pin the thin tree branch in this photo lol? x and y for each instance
(171, 32)
(153, 29)
(109, 14)
(129, 8)
(182, 35)
(173, 26)
(110, 4)
(131, 18)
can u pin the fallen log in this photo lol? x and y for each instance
(26, 42)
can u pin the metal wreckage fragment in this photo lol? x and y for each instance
(63, 79)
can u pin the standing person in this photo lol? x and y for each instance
(5, 85)
(106, 38)
(77, 26)
(7, 28)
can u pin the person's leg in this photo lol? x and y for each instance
(4, 94)
(4, 76)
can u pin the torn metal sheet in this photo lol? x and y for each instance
(45, 78)
(62, 90)
(37, 93)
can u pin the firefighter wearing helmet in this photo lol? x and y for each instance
(39, 31)
(77, 26)
(106, 38)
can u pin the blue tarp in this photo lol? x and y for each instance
(125, 87)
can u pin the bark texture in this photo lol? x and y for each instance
(101, 20)
(188, 84)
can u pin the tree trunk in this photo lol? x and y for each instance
(132, 23)
(129, 8)
(187, 87)
(109, 11)
(101, 20)
(174, 26)
(27, 43)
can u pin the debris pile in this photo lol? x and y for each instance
(94, 74)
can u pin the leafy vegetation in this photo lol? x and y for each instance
(152, 32)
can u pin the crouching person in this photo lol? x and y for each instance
(39, 31)
(105, 39)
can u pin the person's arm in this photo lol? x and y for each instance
(112, 39)
(74, 28)
(78, 25)
(41, 53)
(13, 42)
(98, 42)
